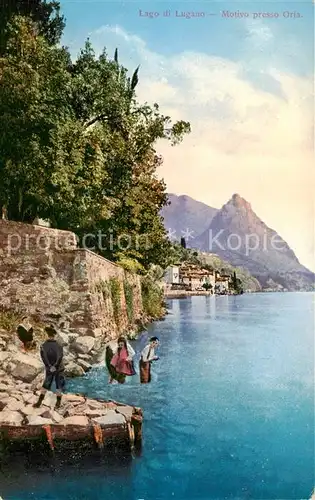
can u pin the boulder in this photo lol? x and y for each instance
(84, 364)
(50, 399)
(111, 418)
(13, 418)
(96, 405)
(85, 357)
(84, 344)
(127, 411)
(72, 337)
(73, 398)
(62, 338)
(98, 356)
(30, 410)
(28, 397)
(13, 348)
(95, 413)
(38, 382)
(36, 420)
(8, 366)
(27, 367)
(14, 405)
(15, 394)
(2, 345)
(97, 332)
(56, 417)
(74, 370)
(31, 399)
(4, 356)
(79, 420)
(3, 388)
(5, 379)
(80, 409)
(68, 358)
(4, 400)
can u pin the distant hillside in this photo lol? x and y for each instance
(249, 282)
(186, 213)
(237, 235)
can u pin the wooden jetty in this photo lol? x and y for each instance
(93, 421)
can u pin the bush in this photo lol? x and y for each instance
(115, 292)
(9, 320)
(152, 298)
(103, 288)
(128, 290)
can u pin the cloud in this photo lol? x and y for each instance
(246, 137)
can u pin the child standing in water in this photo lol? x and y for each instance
(147, 356)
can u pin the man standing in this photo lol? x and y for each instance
(52, 355)
(147, 356)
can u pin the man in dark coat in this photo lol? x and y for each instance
(52, 355)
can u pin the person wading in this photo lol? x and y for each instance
(147, 356)
(52, 355)
(119, 361)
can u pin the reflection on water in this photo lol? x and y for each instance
(229, 413)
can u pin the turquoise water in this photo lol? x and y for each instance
(229, 413)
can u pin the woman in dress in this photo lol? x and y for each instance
(119, 361)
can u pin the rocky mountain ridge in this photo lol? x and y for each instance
(239, 236)
(186, 213)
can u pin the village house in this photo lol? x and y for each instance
(192, 277)
(171, 276)
(222, 284)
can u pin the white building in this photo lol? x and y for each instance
(172, 275)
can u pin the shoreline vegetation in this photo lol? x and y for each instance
(87, 157)
(86, 162)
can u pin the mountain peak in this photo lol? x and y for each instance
(238, 202)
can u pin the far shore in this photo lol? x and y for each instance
(176, 294)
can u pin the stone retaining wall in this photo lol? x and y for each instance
(43, 273)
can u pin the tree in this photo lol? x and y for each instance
(45, 14)
(78, 149)
(207, 286)
(183, 242)
(236, 284)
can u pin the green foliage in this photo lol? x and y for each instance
(236, 284)
(78, 149)
(103, 288)
(207, 286)
(152, 298)
(45, 15)
(115, 291)
(9, 320)
(128, 290)
(130, 264)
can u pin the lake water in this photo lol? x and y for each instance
(229, 413)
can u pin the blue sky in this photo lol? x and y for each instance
(217, 35)
(245, 84)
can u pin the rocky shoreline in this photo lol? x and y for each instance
(21, 376)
